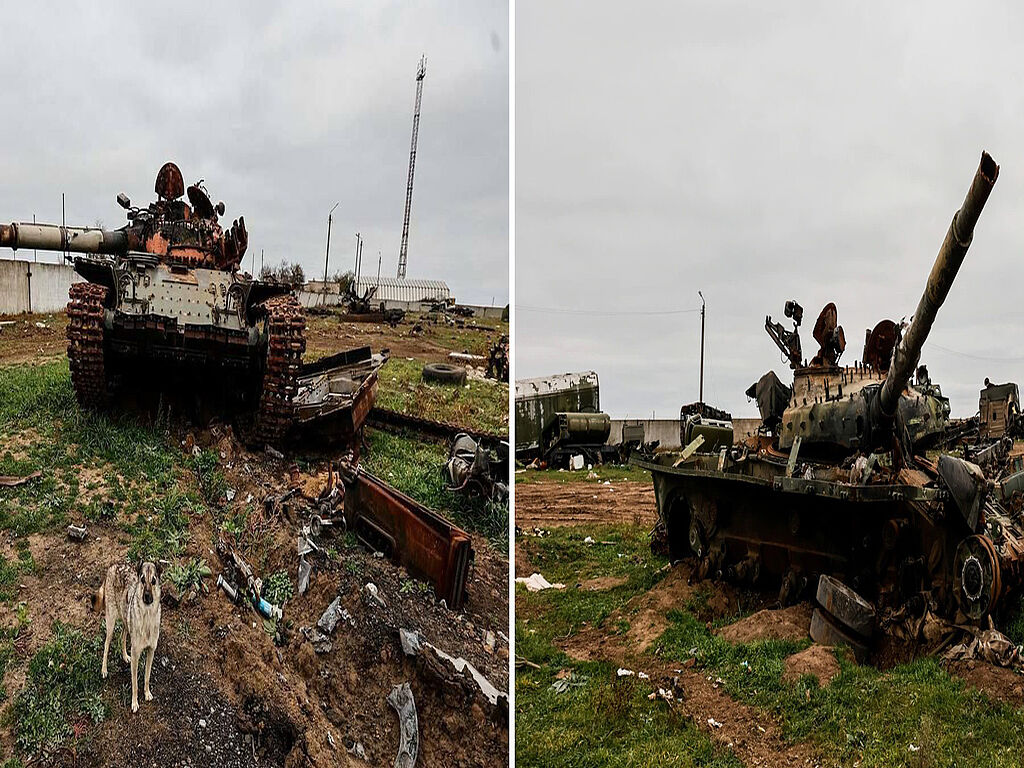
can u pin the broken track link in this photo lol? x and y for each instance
(383, 418)
(286, 331)
(85, 344)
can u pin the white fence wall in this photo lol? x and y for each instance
(27, 286)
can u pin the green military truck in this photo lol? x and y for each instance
(559, 420)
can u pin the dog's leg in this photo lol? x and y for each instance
(136, 652)
(106, 645)
(149, 668)
(124, 642)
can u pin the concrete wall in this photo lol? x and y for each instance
(664, 430)
(27, 286)
(667, 430)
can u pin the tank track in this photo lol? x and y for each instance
(85, 344)
(387, 419)
(286, 328)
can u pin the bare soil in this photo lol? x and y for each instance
(999, 683)
(816, 660)
(547, 505)
(25, 342)
(790, 623)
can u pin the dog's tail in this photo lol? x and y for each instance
(98, 601)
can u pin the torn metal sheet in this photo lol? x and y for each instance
(449, 668)
(429, 546)
(402, 702)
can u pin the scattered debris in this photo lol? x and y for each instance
(452, 670)
(77, 532)
(474, 469)
(714, 723)
(373, 595)
(401, 700)
(537, 583)
(7, 481)
(989, 645)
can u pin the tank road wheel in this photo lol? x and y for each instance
(826, 632)
(85, 344)
(977, 580)
(286, 341)
(846, 606)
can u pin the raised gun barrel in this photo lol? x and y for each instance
(947, 264)
(53, 237)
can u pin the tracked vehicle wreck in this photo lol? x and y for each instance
(837, 482)
(165, 301)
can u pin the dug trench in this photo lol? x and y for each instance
(721, 674)
(230, 688)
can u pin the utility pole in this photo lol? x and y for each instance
(702, 304)
(261, 262)
(327, 257)
(378, 270)
(403, 253)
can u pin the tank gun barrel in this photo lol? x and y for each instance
(947, 264)
(53, 237)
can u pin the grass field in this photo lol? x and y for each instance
(912, 715)
(479, 404)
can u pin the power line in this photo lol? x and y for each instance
(999, 359)
(602, 312)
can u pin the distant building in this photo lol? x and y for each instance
(393, 289)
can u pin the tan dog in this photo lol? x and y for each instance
(133, 596)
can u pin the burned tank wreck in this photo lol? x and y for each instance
(165, 302)
(838, 488)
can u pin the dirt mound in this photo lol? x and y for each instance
(770, 624)
(998, 683)
(550, 504)
(817, 660)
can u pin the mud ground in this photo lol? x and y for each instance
(227, 693)
(752, 734)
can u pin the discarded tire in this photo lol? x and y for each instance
(825, 632)
(848, 608)
(442, 373)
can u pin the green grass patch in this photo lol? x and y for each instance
(62, 690)
(414, 467)
(480, 404)
(612, 472)
(605, 721)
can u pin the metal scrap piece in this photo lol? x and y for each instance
(329, 619)
(402, 702)
(305, 569)
(321, 642)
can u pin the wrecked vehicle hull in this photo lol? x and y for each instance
(834, 492)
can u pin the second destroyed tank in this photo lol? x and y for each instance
(837, 487)
(164, 302)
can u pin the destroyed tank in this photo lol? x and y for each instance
(837, 483)
(163, 300)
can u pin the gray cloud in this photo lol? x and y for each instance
(283, 109)
(759, 153)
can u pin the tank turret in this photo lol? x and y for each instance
(175, 231)
(836, 408)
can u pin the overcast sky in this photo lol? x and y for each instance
(284, 109)
(760, 152)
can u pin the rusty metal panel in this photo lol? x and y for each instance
(429, 546)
